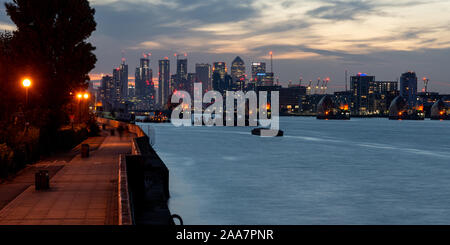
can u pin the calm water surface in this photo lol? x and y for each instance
(363, 171)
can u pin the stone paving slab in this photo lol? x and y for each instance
(84, 192)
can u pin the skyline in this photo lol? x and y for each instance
(309, 39)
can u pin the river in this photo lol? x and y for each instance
(362, 171)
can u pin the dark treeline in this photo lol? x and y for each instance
(50, 48)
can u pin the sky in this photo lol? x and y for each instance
(309, 39)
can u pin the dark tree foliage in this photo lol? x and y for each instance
(8, 91)
(50, 46)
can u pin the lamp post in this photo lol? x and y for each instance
(26, 83)
(79, 97)
(85, 98)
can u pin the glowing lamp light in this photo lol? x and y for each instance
(79, 96)
(86, 95)
(26, 82)
(400, 113)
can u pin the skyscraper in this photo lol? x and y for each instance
(258, 72)
(141, 76)
(220, 68)
(120, 80)
(204, 75)
(164, 81)
(360, 87)
(189, 84)
(182, 68)
(238, 73)
(144, 81)
(107, 92)
(219, 73)
(408, 87)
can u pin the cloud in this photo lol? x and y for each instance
(343, 32)
(7, 27)
(342, 10)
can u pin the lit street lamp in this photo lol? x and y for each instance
(26, 83)
(81, 96)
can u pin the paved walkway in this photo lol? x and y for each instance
(83, 192)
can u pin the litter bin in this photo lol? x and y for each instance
(84, 150)
(42, 180)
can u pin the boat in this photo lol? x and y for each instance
(267, 132)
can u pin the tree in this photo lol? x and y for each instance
(51, 47)
(9, 92)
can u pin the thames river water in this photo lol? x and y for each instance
(362, 171)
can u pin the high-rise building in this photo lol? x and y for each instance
(238, 73)
(408, 87)
(189, 84)
(141, 76)
(173, 84)
(267, 80)
(182, 69)
(120, 80)
(107, 92)
(220, 68)
(219, 75)
(204, 75)
(258, 72)
(359, 85)
(370, 97)
(164, 81)
(131, 90)
(144, 81)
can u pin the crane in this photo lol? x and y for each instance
(317, 85)
(322, 87)
(327, 80)
(308, 89)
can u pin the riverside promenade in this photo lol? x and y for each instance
(83, 191)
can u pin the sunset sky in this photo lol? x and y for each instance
(320, 38)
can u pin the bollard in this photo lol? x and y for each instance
(85, 150)
(42, 180)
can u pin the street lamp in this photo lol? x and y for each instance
(81, 96)
(26, 83)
